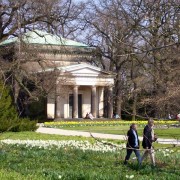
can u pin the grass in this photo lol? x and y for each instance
(40, 136)
(168, 133)
(36, 136)
(36, 163)
(122, 130)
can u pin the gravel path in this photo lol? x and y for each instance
(46, 130)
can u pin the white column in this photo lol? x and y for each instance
(101, 101)
(110, 102)
(75, 102)
(93, 101)
(58, 111)
(51, 106)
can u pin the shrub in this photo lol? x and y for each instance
(6, 125)
(7, 109)
(25, 125)
(37, 109)
(17, 125)
(8, 113)
(9, 120)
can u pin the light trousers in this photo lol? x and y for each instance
(151, 153)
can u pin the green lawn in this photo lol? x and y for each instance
(36, 136)
(122, 130)
(41, 136)
(51, 163)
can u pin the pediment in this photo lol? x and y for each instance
(83, 70)
(85, 75)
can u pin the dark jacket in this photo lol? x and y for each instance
(131, 139)
(147, 137)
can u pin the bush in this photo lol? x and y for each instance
(7, 109)
(25, 125)
(37, 109)
(17, 125)
(9, 120)
(6, 125)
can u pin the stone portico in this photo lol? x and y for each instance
(82, 91)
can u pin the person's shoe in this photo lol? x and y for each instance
(125, 162)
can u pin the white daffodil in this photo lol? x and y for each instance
(48, 144)
(129, 176)
(59, 177)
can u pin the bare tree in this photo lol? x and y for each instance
(17, 60)
(140, 39)
(110, 26)
(159, 34)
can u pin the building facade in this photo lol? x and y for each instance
(79, 86)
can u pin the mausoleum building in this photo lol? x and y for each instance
(79, 86)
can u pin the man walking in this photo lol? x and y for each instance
(133, 144)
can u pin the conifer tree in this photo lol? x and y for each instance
(7, 109)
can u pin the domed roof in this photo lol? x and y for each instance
(43, 38)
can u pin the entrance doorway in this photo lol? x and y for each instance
(79, 105)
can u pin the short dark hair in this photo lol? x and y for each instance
(132, 125)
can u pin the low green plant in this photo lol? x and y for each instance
(17, 125)
(8, 114)
(7, 109)
(9, 120)
(24, 124)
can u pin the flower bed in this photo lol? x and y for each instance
(83, 145)
(59, 124)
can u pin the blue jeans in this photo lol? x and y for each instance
(129, 152)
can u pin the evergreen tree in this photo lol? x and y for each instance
(7, 109)
(8, 113)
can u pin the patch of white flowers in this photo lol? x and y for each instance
(166, 152)
(83, 145)
(129, 176)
